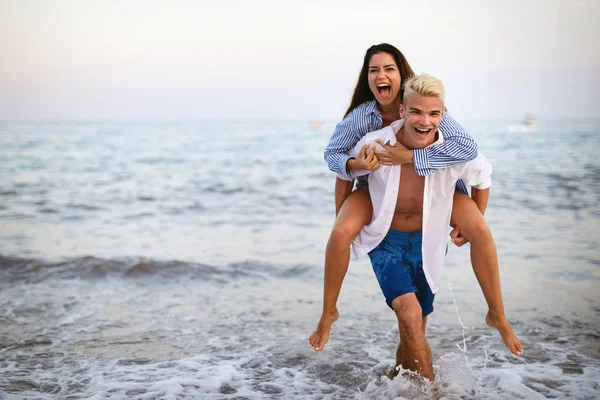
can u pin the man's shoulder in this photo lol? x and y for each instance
(468, 165)
(386, 132)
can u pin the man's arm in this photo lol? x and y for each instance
(480, 197)
(477, 173)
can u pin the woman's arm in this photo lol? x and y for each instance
(346, 135)
(458, 147)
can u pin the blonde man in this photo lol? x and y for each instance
(407, 237)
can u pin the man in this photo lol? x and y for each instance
(406, 240)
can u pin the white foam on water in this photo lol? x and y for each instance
(176, 379)
(457, 379)
(257, 371)
(121, 339)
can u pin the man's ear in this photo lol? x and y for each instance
(401, 110)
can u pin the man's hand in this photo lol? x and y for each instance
(457, 238)
(395, 155)
(364, 161)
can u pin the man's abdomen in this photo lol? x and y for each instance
(407, 222)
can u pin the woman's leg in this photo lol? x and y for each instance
(355, 212)
(484, 258)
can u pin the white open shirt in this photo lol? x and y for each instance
(437, 201)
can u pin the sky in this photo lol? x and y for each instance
(198, 60)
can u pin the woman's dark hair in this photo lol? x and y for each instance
(362, 92)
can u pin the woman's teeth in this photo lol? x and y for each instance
(384, 89)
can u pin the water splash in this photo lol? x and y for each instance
(464, 328)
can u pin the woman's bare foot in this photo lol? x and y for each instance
(508, 336)
(321, 335)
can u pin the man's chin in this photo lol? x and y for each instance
(422, 143)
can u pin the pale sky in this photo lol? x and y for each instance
(261, 59)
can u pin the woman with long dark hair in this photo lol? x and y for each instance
(374, 105)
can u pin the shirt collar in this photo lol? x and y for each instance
(372, 107)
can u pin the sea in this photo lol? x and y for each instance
(184, 260)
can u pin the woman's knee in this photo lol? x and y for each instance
(355, 213)
(468, 218)
(343, 234)
(464, 210)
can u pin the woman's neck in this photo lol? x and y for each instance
(388, 113)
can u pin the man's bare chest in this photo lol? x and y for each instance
(410, 192)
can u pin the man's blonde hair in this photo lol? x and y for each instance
(425, 85)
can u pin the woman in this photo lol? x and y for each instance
(375, 104)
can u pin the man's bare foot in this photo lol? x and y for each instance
(508, 336)
(321, 335)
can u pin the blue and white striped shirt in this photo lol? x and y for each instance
(458, 147)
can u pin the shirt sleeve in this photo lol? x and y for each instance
(458, 147)
(478, 173)
(347, 133)
(353, 153)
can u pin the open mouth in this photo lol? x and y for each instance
(384, 90)
(422, 131)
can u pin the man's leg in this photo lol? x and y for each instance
(400, 353)
(414, 351)
(355, 213)
(484, 259)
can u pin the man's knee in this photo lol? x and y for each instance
(409, 313)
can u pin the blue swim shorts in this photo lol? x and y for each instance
(398, 265)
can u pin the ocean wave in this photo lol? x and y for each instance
(16, 269)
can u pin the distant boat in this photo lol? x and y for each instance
(528, 124)
(317, 125)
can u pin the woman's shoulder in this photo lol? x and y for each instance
(362, 110)
(448, 120)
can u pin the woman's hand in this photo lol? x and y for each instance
(363, 161)
(395, 155)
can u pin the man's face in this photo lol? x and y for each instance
(422, 116)
(384, 78)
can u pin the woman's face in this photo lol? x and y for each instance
(384, 78)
